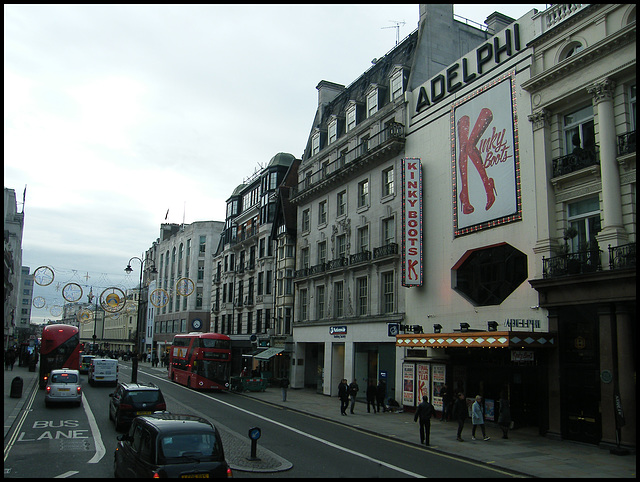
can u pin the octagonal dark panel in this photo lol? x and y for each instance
(487, 276)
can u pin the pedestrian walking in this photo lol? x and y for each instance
(381, 391)
(424, 412)
(9, 359)
(446, 403)
(477, 419)
(343, 395)
(504, 416)
(460, 413)
(371, 396)
(284, 384)
(353, 391)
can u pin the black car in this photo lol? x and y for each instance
(133, 399)
(168, 445)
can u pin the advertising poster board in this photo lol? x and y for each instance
(408, 384)
(438, 376)
(423, 382)
(489, 410)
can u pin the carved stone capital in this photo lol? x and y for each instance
(602, 90)
(540, 119)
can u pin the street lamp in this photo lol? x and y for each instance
(128, 270)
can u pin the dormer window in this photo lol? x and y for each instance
(333, 129)
(351, 116)
(372, 101)
(315, 143)
(397, 87)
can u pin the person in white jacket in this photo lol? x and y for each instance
(477, 419)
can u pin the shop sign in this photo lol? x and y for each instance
(522, 356)
(338, 331)
(411, 222)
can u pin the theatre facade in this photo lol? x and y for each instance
(525, 283)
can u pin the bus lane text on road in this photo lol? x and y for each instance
(53, 430)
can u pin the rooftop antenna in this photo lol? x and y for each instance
(397, 27)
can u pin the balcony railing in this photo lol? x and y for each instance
(621, 257)
(578, 159)
(393, 132)
(360, 257)
(627, 143)
(568, 264)
(386, 250)
(365, 256)
(337, 263)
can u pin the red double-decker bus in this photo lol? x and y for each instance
(201, 360)
(59, 348)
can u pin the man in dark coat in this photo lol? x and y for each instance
(343, 395)
(460, 413)
(425, 411)
(371, 396)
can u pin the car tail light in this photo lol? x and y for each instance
(156, 475)
(229, 473)
(161, 406)
(48, 389)
(79, 389)
(126, 406)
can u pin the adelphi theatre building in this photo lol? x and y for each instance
(519, 226)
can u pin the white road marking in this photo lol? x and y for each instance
(66, 474)
(95, 431)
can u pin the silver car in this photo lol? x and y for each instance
(63, 386)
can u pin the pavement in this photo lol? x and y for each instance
(525, 452)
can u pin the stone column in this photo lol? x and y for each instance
(613, 232)
(545, 195)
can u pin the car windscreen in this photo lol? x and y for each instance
(64, 378)
(143, 396)
(182, 447)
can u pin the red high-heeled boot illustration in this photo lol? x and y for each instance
(469, 148)
(463, 136)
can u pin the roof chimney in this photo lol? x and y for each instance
(327, 91)
(497, 22)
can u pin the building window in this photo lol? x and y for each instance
(322, 213)
(304, 301)
(203, 244)
(372, 102)
(260, 286)
(363, 295)
(341, 246)
(341, 201)
(315, 143)
(387, 292)
(268, 283)
(388, 231)
(396, 85)
(583, 218)
(288, 282)
(338, 296)
(305, 221)
(322, 252)
(387, 182)
(363, 239)
(304, 258)
(578, 129)
(351, 117)
(319, 302)
(333, 130)
(571, 49)
(632, 106)
(363, 193)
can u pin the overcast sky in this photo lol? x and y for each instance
(115, 114)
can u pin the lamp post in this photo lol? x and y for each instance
(128, 269)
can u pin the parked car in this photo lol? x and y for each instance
(63, 386)
(103, 370)
(133, 399)
(168, 445)
(85, 362)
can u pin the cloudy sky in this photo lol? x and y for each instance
(115, 114)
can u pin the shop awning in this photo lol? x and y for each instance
(493, 339)
(268, 353)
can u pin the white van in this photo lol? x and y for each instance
(103, 370)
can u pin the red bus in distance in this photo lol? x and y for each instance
(59, 348)
(201, 360)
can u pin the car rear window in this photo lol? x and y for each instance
(202, 446)
(144, 396)
(64, 378)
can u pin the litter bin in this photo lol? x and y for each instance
(16, 388)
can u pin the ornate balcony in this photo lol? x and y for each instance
(589, 156)
(587, 261)
(621, 257)
(627, 143)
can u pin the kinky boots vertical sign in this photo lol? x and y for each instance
(411, 222)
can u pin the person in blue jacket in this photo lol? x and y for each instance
(477, 419)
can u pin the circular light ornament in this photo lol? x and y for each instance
(55, 310)
(185, 286)
(72, 292)
(112, 300)
(159, 298)
(84, 316)
(39, 302)
(43, 276)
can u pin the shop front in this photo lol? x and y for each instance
(480, 363)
